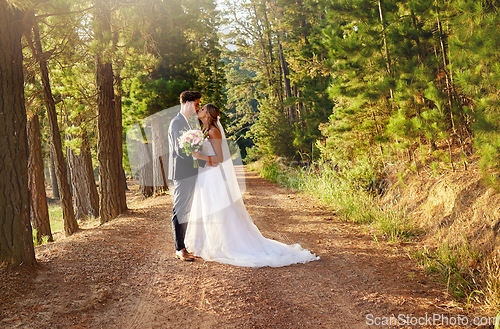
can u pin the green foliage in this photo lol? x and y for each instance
(56, 219)
(146, 96)
(453, 264)
(427, 73)
(474, 47)
(272, 133)
(241, 104)
(271, 171)
(395, 225)
(182, 53)
(345, 144)
(56, 224)
(280, 63)
(345, 192)
(45, 239)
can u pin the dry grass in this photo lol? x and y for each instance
(456, 210)
(492, 289)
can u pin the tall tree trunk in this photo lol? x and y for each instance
(16, 241)
(145, 166)
(299, 104)
(268, 65)
(87, 158)
(417, 37)
(146, 170)
(286, 81)
(268, 30)
(53, 177)
(111, 202)
(445, 69)
(386, 46)
(70, 223)
(377, 128)
(36, 179)
(119, 139)
(84, 186)
(70, 177)
(158, 155)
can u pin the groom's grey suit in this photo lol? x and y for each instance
(182, 172)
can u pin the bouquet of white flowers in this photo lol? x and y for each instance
(191, 141)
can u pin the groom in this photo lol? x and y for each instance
(182, 172)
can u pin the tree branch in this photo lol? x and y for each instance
(65, 13)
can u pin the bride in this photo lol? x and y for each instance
(219, 227)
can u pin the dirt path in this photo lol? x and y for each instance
(123, 275)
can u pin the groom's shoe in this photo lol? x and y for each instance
(184, 255)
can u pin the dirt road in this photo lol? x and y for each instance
(123, 275)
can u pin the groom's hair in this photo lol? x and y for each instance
(189, 96)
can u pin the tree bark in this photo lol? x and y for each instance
(84, 185)
(53, 176)
(158, 154)
(111, 203)
(386, 46)
(146, 166)
(286, 81)
(119, 140)
(146, 170)
(16, 240)
(36, 179)
(70, 177)
(70, 223)
(93, 193)
(268, 65)
(417, 37)
(445, 69)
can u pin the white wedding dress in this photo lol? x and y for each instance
(221, 230)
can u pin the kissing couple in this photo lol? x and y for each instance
(209, 216)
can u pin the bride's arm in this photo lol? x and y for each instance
(216, 141)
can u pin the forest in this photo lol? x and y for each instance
(315, 90)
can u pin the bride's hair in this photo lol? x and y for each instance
(213, 114)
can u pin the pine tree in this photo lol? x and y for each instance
(112, 189)
(16, 241)
(278, 43)
(476, 72)
(70, 223)
(363, 79)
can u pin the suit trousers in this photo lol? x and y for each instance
(182, 198)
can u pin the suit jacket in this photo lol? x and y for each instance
(180, 165)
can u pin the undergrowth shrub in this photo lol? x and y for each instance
(459, 265)
(345, 192)
(455, 264)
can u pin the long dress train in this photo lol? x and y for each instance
(221, 230)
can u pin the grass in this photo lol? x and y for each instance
(396, 225)
(492, 290)
(56, 218)
(466, 273)
(458, 264)
(455, 264)
(344, 193)
(45, 239)
(56, 223)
